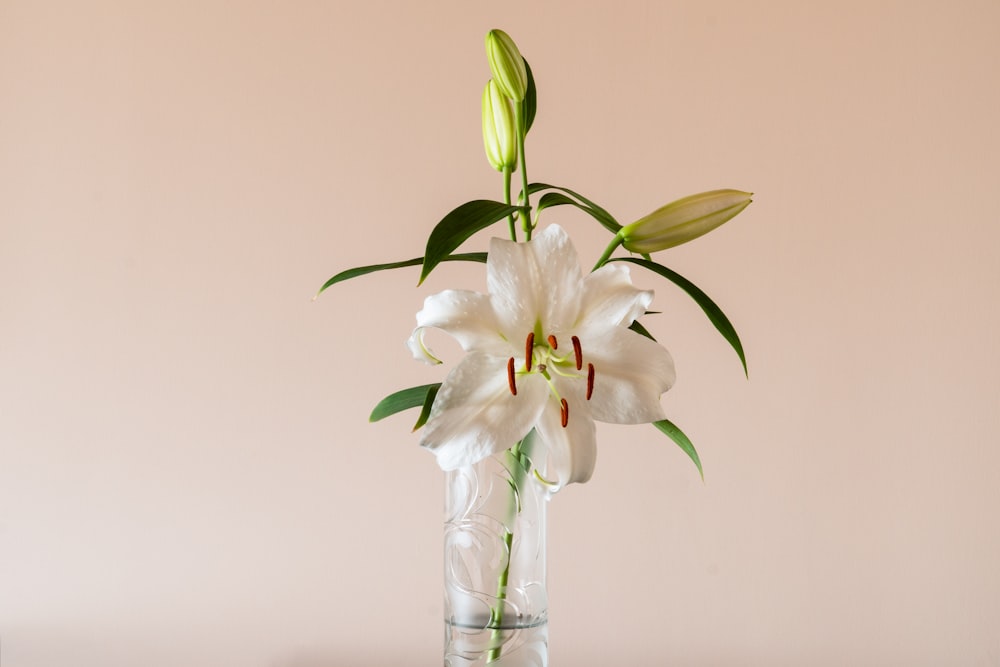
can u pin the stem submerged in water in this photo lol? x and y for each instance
(496, 614)
(517, 471)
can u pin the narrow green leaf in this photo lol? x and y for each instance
(402, 400)
(598, 213)
(677, 435)
(715, 314)
(456, 227)
(530, 99)
(639, 329)
(550, 199)
(425, 411)
(362, 270)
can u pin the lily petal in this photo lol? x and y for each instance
(609, 297)
(631, 372)
(419, 349)
(535, 283)
(467, 316)
(572, 449)
(475, 415)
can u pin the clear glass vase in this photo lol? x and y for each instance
(496, 605)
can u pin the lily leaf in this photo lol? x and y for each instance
(715, 314)
(530, 99)
(559, 199)
(416, 261)
(425, 411)
(639, 329)
(550, 199)
(677, 435)
(598, 213)
(403, 400)
(456, 227)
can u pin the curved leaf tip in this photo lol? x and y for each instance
(669, 429)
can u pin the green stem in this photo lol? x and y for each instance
(526, 211)
(496, 613)
(506, 200)
(615, 242)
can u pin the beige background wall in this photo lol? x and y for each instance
(186, 472)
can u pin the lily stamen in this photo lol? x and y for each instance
(578, 351)
(553, 343)
(590, 381)
(510, 377)
(529, 350)
(564, 412)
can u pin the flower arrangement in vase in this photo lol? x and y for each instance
(549, 350)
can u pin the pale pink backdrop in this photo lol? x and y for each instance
(187, 476)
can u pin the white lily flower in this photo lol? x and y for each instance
(548, 349)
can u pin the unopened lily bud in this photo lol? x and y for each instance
(683, 220)
(498, 128)
(507, 65)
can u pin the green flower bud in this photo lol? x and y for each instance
(507, 65)
(499, 136)
(683, 220)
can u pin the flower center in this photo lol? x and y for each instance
(545, 360)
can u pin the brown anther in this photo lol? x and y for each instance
(510, 376)
(564, 413)
(590, 381)
(578, 351)
(529, 349)
(553, 343)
